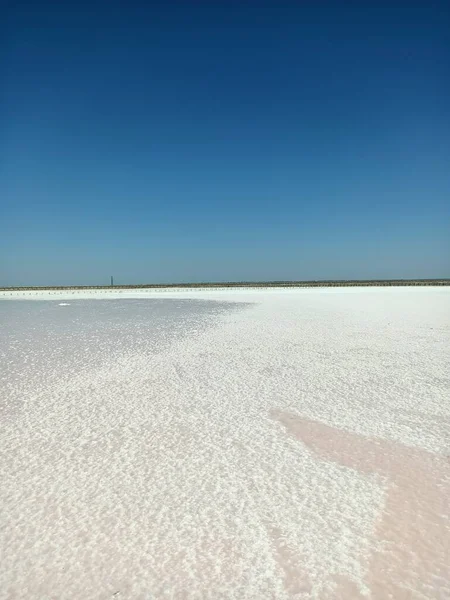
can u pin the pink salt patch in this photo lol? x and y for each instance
(411, 552)
(295, 579)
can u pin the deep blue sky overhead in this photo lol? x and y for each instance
(189, 141)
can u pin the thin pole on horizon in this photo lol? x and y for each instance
(112, 281)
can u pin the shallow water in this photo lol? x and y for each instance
(44, 341)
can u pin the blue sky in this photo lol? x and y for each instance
(210, 141)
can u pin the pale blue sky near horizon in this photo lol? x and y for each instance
(218, 141)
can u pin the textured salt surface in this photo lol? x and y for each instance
(290, 444)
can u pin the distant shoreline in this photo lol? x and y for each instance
(244, 284)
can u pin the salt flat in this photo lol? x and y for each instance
(225, 444)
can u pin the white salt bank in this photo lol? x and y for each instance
(240, 444)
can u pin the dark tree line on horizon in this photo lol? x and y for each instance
(259, 284)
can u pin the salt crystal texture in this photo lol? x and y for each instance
(225, 444)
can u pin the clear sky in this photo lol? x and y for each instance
(235, 140)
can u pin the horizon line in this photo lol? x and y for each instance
(231, 284)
